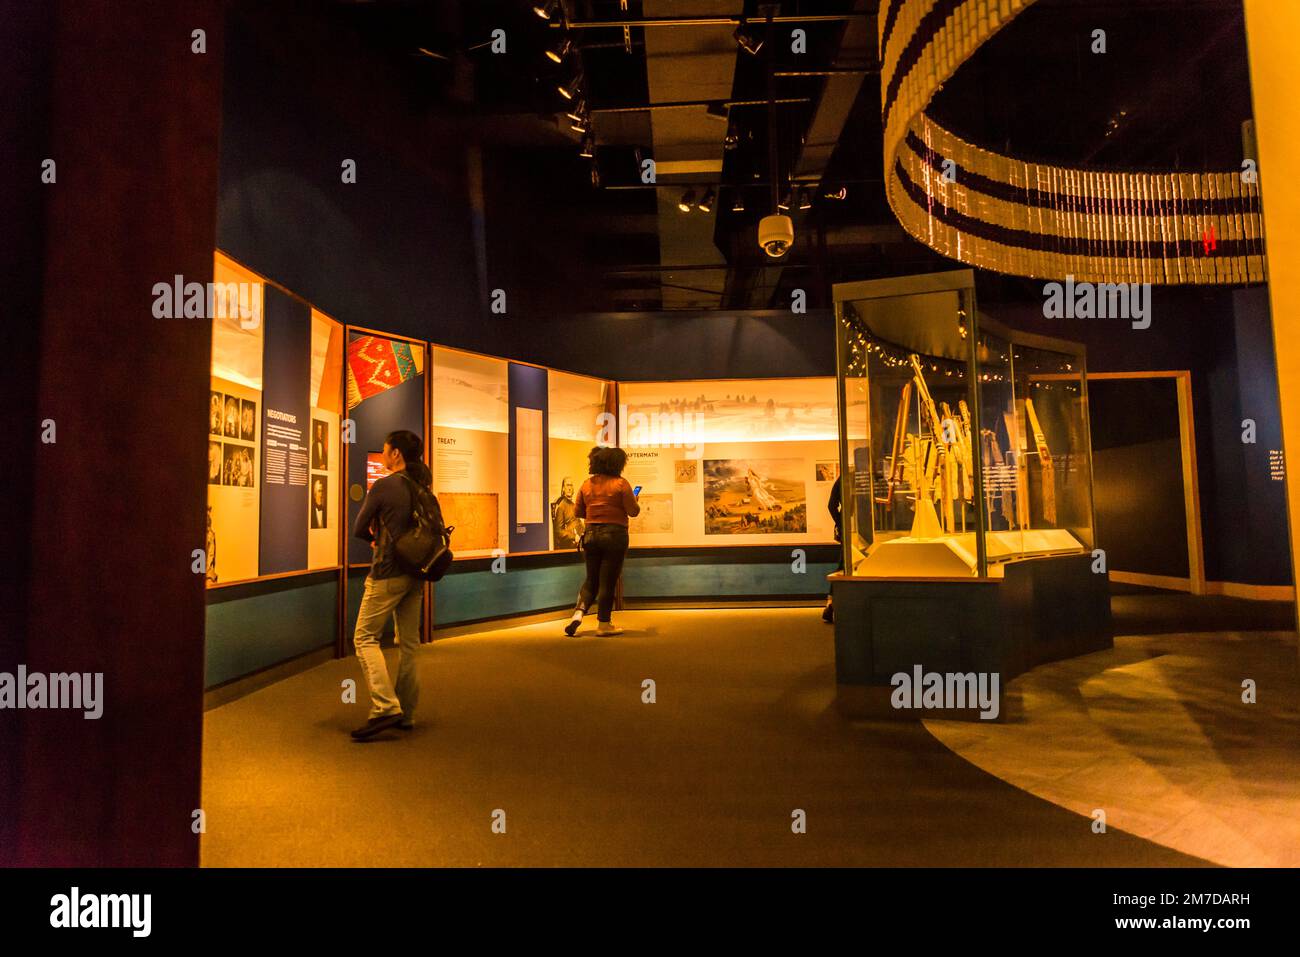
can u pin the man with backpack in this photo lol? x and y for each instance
(387, 515)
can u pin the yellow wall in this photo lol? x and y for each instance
(1273, 36)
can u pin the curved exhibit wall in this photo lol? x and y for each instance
(734, 477)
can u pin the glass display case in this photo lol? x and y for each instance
(964, 444)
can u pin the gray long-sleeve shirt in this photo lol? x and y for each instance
(384, 516)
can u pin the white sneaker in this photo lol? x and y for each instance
(607, 628)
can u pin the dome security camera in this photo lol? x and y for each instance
(776, 235)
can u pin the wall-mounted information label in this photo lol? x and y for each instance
(286, 420)
(286, 449)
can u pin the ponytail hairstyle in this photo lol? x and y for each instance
(412, 448)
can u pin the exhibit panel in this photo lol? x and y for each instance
(966, 443)
(730, 462)
(579, 418)
(273, 424)
(285, 433)
(324, 535)
(235, 401)
(468, 451)
(530, 528)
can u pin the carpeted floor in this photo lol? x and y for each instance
(1156, 733)
(553, 732)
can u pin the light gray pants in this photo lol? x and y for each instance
(402, 598)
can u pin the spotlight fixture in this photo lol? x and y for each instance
(738, 204)
(558, 53)
(588, 148)
(732, 139)
(805, 199)
(706, 201)
(748, 42)
(581, 125)
(570, 89)
(784, 205)
(579, 111)
(546, 10)
(687, 202)
(595, 174)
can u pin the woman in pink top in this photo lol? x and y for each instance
(605, 502)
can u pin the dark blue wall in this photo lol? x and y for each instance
(391, 251)
(1224, 337)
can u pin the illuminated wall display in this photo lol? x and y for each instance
(469, 455)
(234, 505)
(720, 462)
(730, 461)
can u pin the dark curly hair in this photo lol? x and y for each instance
(606, 460)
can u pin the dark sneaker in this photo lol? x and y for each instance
(828, 614)
(571, 628)
(406, 724)
(375, 725)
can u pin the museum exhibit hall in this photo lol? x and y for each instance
(654, 434)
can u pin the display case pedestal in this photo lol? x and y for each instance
(1039, 610)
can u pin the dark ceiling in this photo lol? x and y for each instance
(1170, 92)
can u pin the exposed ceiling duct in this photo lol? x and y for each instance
(695, 63)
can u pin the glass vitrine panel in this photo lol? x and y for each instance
(963, 445)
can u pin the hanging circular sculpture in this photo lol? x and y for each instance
(1007, 215)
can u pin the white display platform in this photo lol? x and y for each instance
(953, 556)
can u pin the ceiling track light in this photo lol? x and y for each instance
(687, 202)
(732, 139)
(748, 42)
(582, 125)
(588, 148)
(579, 112)
(805, 199)
(572, 88)
(557, 54)
(705, 204)
(546, 10)
(738, 204)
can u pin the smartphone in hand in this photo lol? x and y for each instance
(636, 491)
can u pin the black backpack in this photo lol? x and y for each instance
(424, 550)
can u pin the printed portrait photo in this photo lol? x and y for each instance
(216, 403)
(232, 417)
(248, 420)
(320, 443)
(319, 498)
(237, 466)
(214, 462)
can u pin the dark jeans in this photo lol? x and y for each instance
(605, 547)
